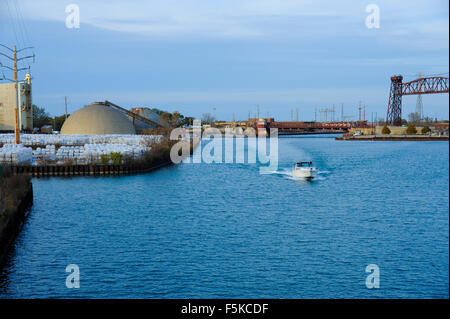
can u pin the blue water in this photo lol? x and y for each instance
(225, 231)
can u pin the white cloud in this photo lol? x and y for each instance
(246, 18)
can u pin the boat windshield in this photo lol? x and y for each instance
(304, 164)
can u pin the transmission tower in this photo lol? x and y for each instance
(419, 104)
(359, 109)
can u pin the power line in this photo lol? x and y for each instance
(424, 75)
(436, 74)
(22, 28)
(12, 22)
(19, 24)
(21, 19)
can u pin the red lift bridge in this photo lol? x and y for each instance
(429, 85)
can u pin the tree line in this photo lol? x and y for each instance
(413, 118)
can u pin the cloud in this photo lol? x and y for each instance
(248, 18)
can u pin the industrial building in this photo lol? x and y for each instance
(109, 118)
(98, 118)
(8, 102)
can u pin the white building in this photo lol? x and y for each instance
(8, 103)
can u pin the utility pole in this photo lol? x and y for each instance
(372, 123)
(16, 86)
(16, 108)
(359, 108)
(65, 103)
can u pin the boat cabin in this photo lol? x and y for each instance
(303, 164)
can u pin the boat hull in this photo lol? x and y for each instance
(303, 173)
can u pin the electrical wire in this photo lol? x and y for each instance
(12, 22)
(20, 32)
(23, 31)
(19, 24)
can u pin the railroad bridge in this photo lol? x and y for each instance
(428, 85)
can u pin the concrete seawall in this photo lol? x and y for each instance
(14, 205)
(83, 170)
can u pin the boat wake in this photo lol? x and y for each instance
(287, 173)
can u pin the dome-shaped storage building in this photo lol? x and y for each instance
(98, 118)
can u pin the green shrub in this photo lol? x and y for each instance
(426, 129)
(116, 157)
(104, 158)
(411, 130)
(386, 130)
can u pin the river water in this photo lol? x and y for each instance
(227, 231)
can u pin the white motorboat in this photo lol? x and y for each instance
(303, 170)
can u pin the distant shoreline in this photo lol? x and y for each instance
(392, 138)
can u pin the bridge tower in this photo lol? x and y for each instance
(394, 113)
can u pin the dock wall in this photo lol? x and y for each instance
(73, 170)
(14, 204)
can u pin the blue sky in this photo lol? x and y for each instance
(192, 56)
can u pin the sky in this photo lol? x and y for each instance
(226, 57)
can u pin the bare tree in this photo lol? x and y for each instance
(208, 118)
(414, 117)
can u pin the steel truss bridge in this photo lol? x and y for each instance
(428, 85)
